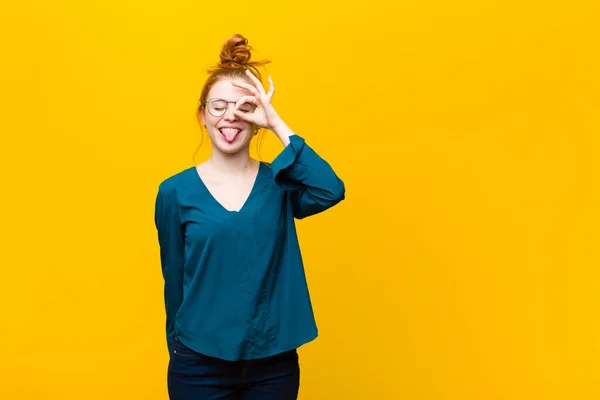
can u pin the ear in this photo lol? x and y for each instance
(201, 118)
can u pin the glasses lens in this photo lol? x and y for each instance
(217, 107)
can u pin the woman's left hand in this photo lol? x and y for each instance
(264, 116)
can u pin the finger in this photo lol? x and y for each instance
(240, 103)
(246, 99)
(257, 83)
(244, 116)
(246, 86)
(248, 117)
(271, 88)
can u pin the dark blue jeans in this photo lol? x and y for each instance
(194, 376)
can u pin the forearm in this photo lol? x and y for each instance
(283, 132)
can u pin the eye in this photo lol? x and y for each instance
(218, 105)
(246, 108)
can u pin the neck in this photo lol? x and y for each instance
(230, 163)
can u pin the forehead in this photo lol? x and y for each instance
(223, 89)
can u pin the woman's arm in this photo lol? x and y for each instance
(171, 241)
(313, 184)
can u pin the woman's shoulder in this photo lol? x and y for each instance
(179, 180)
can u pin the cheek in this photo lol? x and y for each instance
(209, 121)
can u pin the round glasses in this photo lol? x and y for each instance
(218, 107)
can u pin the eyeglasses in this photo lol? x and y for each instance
(218, 107)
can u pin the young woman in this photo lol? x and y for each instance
(236, 297)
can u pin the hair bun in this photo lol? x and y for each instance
(235, 52)
(235, 59)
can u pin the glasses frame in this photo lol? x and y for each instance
(226, 103)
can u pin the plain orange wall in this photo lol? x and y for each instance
(463, 263)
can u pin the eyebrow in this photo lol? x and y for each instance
(219, 98)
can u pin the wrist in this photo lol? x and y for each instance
(283, 132)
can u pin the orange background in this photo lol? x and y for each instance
(463, 263)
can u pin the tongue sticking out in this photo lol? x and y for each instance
(230, 134)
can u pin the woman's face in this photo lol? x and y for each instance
(227, 131)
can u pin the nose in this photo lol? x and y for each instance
(229, 115)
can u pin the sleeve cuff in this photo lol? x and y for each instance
(285, 160)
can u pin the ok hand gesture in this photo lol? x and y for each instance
(264, 116)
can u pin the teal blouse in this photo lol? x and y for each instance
(234, 281)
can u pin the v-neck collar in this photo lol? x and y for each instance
(250, 195)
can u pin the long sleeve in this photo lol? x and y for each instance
(313, 184)
(171, 241)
